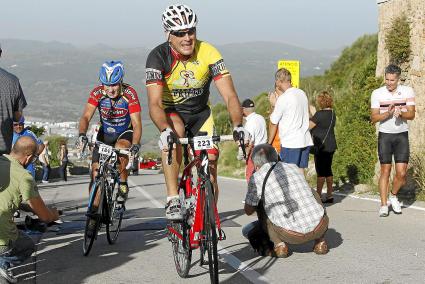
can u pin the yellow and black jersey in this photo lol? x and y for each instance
(186, 85)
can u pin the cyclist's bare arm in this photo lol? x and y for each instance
(86, 117)
(136, 122)
(227, 91)
(156, 112)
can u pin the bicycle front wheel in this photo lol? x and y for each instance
(211, 233)
(93, 218)
(182, 252)
(90, 234)
(115, 214)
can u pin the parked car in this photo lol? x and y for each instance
(149, 164)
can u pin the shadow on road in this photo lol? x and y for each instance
(60, 258)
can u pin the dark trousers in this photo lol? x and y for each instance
(46, 172)
(16, 252)
(62, 170)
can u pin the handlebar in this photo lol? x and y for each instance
(117, 151)
(189, 140)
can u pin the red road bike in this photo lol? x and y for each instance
(200, 227)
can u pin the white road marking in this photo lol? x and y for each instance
(146, 194)
(377, 200)
(250, 274)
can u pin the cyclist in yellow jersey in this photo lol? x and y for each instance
(178, 77)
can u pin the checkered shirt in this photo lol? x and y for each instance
(289, 200)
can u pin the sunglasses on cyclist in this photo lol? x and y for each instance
(18, 124)
(189, 32)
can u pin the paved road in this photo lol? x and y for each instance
(363, 247)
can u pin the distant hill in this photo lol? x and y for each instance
(57, 77)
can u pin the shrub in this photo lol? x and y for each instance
(417, 170)
(397, 40)
(54, 146)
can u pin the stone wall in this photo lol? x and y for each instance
(414, 70)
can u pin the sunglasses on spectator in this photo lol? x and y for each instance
(18, 124)
(189, 32)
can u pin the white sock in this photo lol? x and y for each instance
(171, 197)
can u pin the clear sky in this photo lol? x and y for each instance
(313, 24)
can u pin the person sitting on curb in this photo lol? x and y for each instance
(17, 186)
(292, 212)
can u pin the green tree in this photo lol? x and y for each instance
(38, 131)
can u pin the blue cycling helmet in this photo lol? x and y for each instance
(111, 73)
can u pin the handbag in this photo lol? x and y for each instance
(318, 144)
(258, 236)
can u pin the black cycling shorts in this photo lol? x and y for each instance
(195, 122)
(109, 140)
(396, 144)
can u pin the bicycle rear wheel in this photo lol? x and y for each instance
(211, 233)
(182, 252)
(115, 214)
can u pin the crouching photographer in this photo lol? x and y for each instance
(17, 186)
(288, 210)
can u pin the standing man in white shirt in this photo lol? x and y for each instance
(291, 117)
(392, 106)
(256, 127)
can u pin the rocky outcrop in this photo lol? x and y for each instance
(413, 70)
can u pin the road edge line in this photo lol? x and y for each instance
(346, 195)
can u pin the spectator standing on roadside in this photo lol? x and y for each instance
(290, 211)
(392, 106)
(322, 126)
(17, 186)
(19, 131)
(63, 160)
(256, 127)
(45, 162)
(12, 102)
(291, 117)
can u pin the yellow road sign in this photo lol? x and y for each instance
(294, 67)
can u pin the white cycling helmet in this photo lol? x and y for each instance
(178, 17)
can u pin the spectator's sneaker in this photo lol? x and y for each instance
(45, 181)
(383, 211)
(173, 210)
(395, 204)
(8, 275)
(122, 193)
